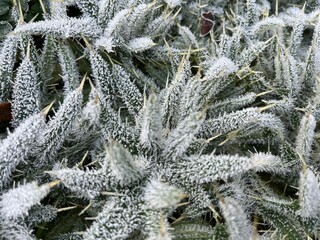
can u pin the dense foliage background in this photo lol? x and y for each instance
(139, 119)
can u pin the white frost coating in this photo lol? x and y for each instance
(266, 24)
(180, 138)
(238, 224)
(65, 28)
(305, 136)
(151, 127)
(188, 36)
(209, 168)
(116, 22)
(17, 145)
(222, 67)
(264, 161)
(162, 195)
(173, 3)
(140, 44)
(18, 201)
(122, 164)
(106, 43)
(309, 194)
(26, 92)
(7, 60)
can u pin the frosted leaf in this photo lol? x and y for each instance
(151, 127)
(113, 128)
(59, 127)
(101, 74)
(188, 37)
(122, 164)
(69, 68)
(309, 194)
(270, 23)
(7, 60)
(221, 67)
(137, 20)
(180, 138)
(305, 136)
(296, 37)
(58, 10)
(170, 97)
(16, 202)
(15, 230)
(236, 219)
(250, 53)
(16, 147)
(231, 104)
(129, 92)
(250, 119)
(89, 7)
(209, 168)
(252, 12)
(160, 25)
(140, 44)
(106, 43)
(26, 92)
(41, 213)
(88, 121)
(266, 162)
(116, 22)
(48, 59)
(192, 230)
(117, 219)
(88, 183)
(156, 225)
(65, 28)
(162, 195)
(106, 11)
(229, 122)
(173, 3)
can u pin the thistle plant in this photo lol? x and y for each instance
(126, 124)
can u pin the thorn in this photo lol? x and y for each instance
(28, 51)
(266, 107)
(34, 18)
(54, 183)
(216, 215)
(212, 138)
(66, 208)
(152, 4)
(179, 219)
(106, 193)
(222, 143)
(87, 43)
(21, 20)
(42, 7)
(46, 110)
(91, 84)
(168, 15)
(82, 82)
(83, 158)
(96, 99)
(176, 14)
(182, 204)
(85, 209)
(263, 93)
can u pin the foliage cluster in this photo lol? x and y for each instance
(126, 124)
